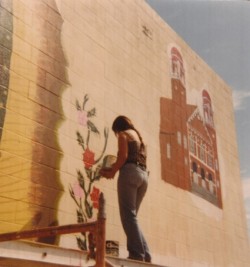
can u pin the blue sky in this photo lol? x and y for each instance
(219, 32)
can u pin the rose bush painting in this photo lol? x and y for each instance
(84, 193)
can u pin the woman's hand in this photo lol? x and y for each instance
(121, 157)
(107, 173)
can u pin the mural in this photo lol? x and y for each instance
(43, 188)
(189, 156)
(84, 193)
(6, 29)
(30, 114)
(31, 185)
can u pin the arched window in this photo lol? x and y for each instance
(179, 137)
(210, 160)
(194, 167)
(168, 151)
(178, 70)
(203, 174)
(207, 108)
(202, 152)
(185, 141)
(192, 144)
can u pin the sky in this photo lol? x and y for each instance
(219, 32)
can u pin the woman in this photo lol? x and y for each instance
(132, 184)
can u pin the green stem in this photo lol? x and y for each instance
(88, 137)
(105, 145)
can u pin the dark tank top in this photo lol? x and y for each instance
(136, 153)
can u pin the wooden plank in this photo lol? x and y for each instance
(50, 231)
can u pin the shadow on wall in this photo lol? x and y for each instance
(5, 56)
(51, 75)
(51, 80)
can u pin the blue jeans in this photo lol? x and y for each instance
(132, 186)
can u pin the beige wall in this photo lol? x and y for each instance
(118, 53)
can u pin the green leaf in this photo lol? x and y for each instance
(89, 209)
(81, 180)
(82, 244)
(78, 107)
(72, 194)
(89, 173)
(97, 177)
(85, 100)
(92, 127)
(91, 113)
(80, 218)
(80, 139)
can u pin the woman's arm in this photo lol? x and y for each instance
(121, 156)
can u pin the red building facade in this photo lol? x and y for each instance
(189, 156)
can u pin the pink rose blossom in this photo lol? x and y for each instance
(78, 192)
(82, 117)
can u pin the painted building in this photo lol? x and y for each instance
(188, 139)
(67, 69)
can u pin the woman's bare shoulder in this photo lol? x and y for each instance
(132, 135)
(122, 135)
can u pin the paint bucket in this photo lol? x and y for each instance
(108, 161)
(112, 248)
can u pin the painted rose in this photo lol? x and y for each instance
(78, 192)
(94, 196)
(82, 117)
(88, 158)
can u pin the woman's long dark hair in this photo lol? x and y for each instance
(123, 123)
